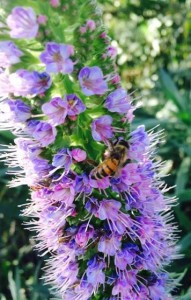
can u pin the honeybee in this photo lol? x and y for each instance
(116, 156)
(41, 185)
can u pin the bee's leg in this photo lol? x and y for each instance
(116, 174)
(91, 162)
(109, 145)
(61, 239)
(93, 174)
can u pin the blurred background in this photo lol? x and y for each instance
(153, 38)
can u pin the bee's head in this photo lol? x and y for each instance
(123, 143)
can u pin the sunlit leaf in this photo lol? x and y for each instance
(185, 243)
(182, 175)
(170, 89)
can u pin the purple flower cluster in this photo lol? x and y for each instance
(135, 242)
(107, 236)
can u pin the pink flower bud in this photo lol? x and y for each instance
(78, 154)
(91, 25)
(55, 3)
(83, 29)
(116, 79)
(103, 35)
(72, 118)
(42, 19)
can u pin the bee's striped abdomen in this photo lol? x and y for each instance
(116, 158)
(107, 168)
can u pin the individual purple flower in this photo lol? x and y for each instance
(27, 148)
(102, 183)
(5, 85)
(118, 101)
(146, 170)
(40, 166)
(108, 209)
(9, 54)
(56, 57)
(35, 169)
(92, 81)
(22, 22)
(109, 244)
(140, 135)
(79, 154)
(29, 83)
(21, 82)
(101, 128)
(84, 234)
(129, 174)
(83, 184)
(42, 82)
(128, 279)
(157, 287)
(43, 132)
(139, 142)
(15, 111)
(31, 126)
(56, 110)
(75, 105)
(62, 159)
(63, 192)
(94, 272)
(92, 206)
(122, 259)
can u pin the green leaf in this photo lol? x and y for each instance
(182, 175)
(187, 296)
(12, 286)
(18, 284)
(6, 135)
(185, 195)
(171, 90)
(184, 221)
(185, 242)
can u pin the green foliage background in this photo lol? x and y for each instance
(154, 59)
